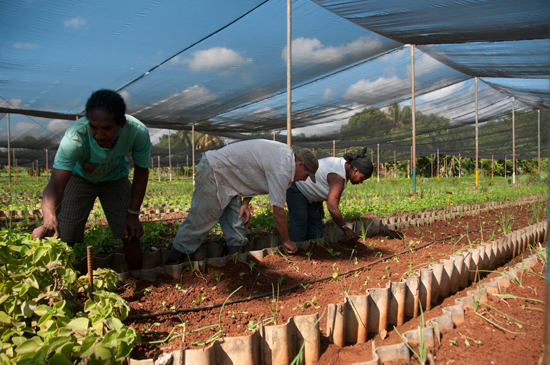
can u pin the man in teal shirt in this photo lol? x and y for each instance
(91, 162)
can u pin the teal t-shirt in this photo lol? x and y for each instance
(80, 153)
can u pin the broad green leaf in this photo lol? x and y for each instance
(28, 307)
(79, 325)
(102, 352)
(42, 309)
(59, 359)
(123, 351)
(29, 346)
(4, 318)
(111, 339)
(56, 342)
(87, 347)
(114, 323)
(38, 254)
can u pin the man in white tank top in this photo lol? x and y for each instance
(305, 198)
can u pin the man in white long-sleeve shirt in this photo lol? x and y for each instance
(227, 179)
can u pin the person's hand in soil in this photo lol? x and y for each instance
(350, 234)
(132, 227)
(46, 230)
(245, 211)
(291, 247)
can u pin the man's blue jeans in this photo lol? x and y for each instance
(206, 211)
(305, 221)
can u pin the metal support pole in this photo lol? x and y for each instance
(513, 142)
(413, 157)
(158, 166)
(477, 142)
(538, 179)
(193, 154)
(9, 162)
(169, 156)
(333, 148)
(288, 72)
(492, 166)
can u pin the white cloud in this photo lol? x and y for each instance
(23, 128)
(126, 96)
(265, 112)
(25, 45)
(310, 51)
(217, 58)
(192, 96)
(363, 90)
(59, 126)
(75, 22)
(328, 93)
(12, 103)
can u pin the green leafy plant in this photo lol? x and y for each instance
(40, 319)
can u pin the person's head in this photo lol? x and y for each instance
(105, 111)
(306, 165)
(360, 166)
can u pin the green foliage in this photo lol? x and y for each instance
(41, 322)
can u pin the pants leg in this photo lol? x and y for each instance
(233, 228)
(314, 222)
(115, 199)
(298, 212)
(78, 201)
(204, 213)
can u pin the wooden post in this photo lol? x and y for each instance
(394, 164)
(513, 142)
(288, 72)
(413, 157)
(438, 164)
(477, 143)
(158, 166)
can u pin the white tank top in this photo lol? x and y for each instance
(318, 192)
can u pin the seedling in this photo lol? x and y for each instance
(422, 354)
(309, 303)
(251, 266)
(217, 275)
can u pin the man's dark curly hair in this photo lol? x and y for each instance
(108, 100)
